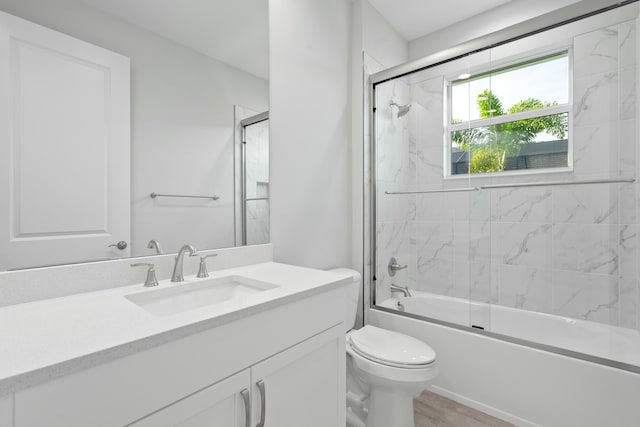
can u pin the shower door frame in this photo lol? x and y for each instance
(572, 13)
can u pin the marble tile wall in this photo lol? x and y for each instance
(569, 250)
(395, 170)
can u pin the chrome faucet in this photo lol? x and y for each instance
(177, 276)
(154, 244)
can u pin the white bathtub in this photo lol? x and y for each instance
(591, 338)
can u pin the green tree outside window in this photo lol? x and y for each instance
(490, 146)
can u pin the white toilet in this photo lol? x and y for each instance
(385, 370)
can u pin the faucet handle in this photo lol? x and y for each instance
(202, 271)
(393, 266)
(151, 279)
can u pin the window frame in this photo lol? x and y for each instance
(506, 118)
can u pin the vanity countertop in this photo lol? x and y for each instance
(47, 339)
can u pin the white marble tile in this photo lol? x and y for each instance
(586, 248)
(426, 130)
(434, 240)
(521, 244)
(459, 203)
(595, 99)
(628, 275)
(585, 204)
(428, 94)
(480, 241)
(481, 285)
(429, 149)
(629, 306)
(627, 44)
(628, 203)
(586, 296)
(595, 150)
(628, 93)
(521, 204)
(435, 275)
(461, 278)
(461, 238)
(392, 241)
(394, 207)
(479, 206)
(433, 207)
(524, 287)
(596, 51)
(395, 154)
(412, 262)
(628, 146)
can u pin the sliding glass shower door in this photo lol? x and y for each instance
(255, 179)
(505, 192)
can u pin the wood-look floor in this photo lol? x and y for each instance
(433, 410)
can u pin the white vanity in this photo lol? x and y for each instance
(124, 356)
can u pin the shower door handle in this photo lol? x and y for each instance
(394, 266)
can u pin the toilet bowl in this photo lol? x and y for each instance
(385, 370)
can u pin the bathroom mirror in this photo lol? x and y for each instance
(173, 82)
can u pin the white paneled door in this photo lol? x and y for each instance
(64, 148)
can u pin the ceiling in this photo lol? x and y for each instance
(413, 19)
(237, 31)
(232, 31)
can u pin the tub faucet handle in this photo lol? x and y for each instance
(202, 271)
(394, 266)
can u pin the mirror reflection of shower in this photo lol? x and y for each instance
(402, 109)
(255, 179)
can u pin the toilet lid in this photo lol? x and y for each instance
(390, 347)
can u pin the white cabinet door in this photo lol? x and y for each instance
(64, 147)
(222, 404)
(304, 385)
(6, 411)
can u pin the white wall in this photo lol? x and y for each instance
(182, 124)
(379, 39)
(488, 22)
(310, 129)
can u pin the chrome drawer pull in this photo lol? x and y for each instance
(247, 407)
(263, 403)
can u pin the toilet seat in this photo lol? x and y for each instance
(391, 348)
(390, 372)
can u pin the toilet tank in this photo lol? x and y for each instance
(353, 292)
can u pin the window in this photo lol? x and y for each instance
(511, 118)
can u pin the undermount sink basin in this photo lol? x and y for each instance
(190, 295)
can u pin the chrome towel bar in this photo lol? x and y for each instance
(154, 195)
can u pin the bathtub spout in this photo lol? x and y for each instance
(404, 290)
